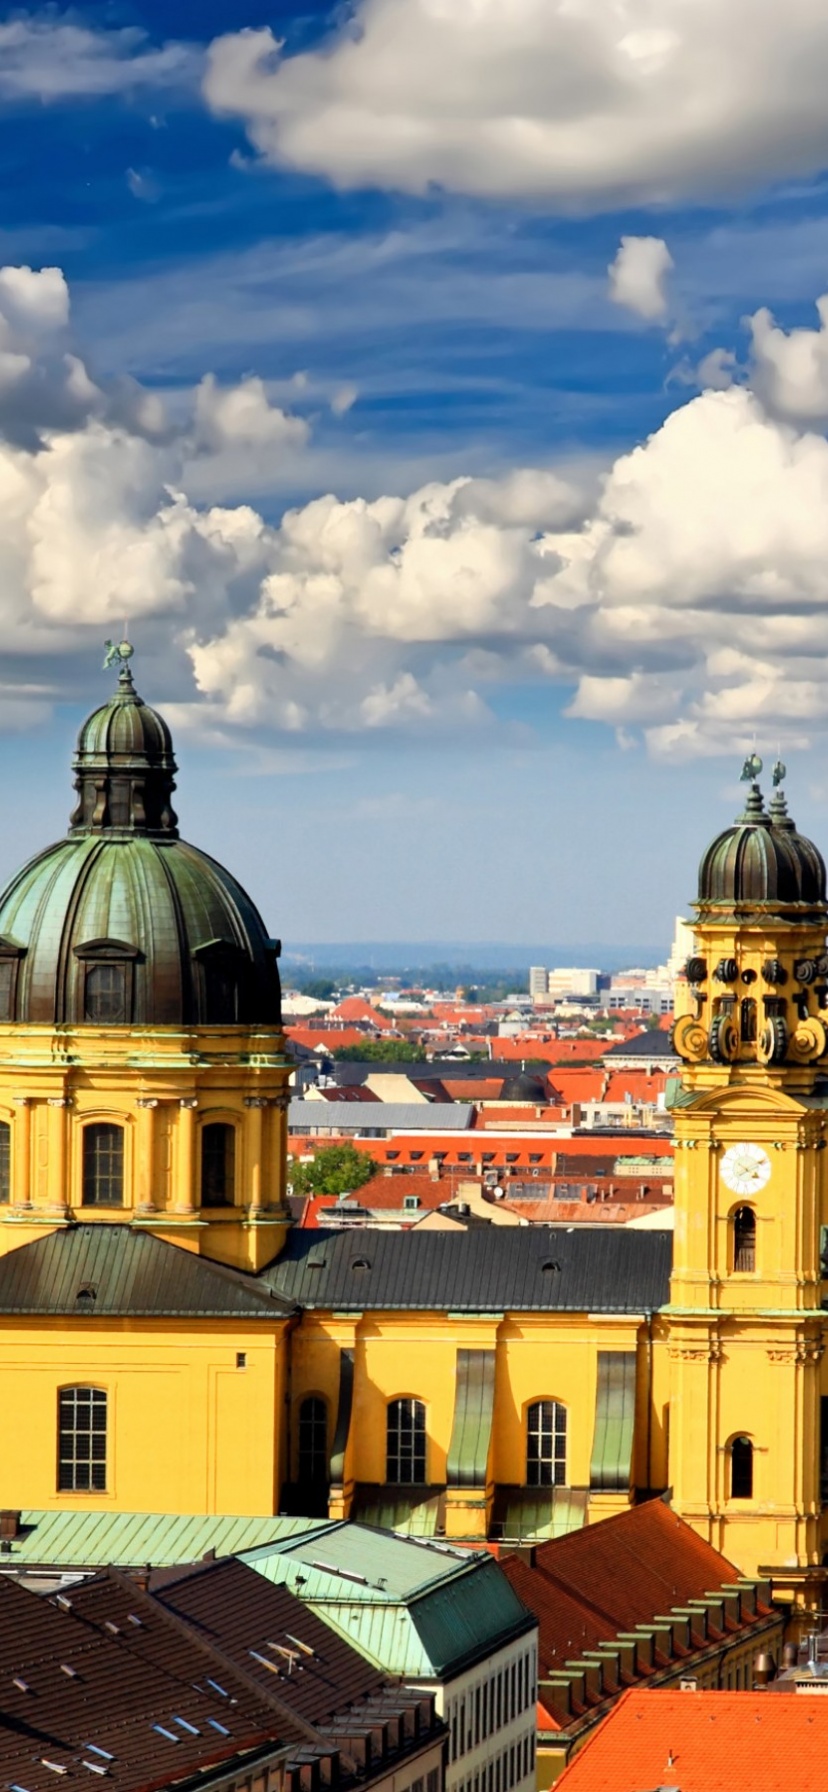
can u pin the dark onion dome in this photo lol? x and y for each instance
(762, 859)
(525, 1087)
(123, 922)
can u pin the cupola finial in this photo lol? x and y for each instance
(119, 653)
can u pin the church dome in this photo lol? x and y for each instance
(762, 859)
(525, 1087)
(122, 922)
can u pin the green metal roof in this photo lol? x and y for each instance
(133, 1539)
(408, 1516)
(532, 1514)
(472, 1428)
(614, 1421)
(427, 1610)
(357, 1562)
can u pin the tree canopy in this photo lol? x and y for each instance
(336, 1170)
(381, 1051)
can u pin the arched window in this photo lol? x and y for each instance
(546, 1444)
(744, 1239)
(313, 1439)
(218, 1165)
(82, 1440)
(405, 1461)
(741, 1469)
(5, 1161)
(103, 1165)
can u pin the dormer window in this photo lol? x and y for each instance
(219, 966)
(108, 971)
(10, 956)
(105, 992)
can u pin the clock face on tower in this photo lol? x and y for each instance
(745, 1169)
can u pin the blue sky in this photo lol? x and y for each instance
(533, 363)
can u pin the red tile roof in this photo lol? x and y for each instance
(476, 1089)
(355, 1008)
(705, 1742)
(596, 1213)
(328, 1037)
(468, 1150)
(637, 1084)
(386, 1194)
(609, 1577)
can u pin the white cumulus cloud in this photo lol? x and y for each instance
(588, 105)
(790, 368)
(638, 276)
(680, 597)
(242, 415)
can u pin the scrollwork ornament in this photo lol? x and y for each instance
(808, 1041)
(690, 1039)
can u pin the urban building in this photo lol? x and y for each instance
(704, 1742)
(640, 1599)
(152, 1283)
(106, 1679)
(448, 1622)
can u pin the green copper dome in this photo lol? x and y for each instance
(762, 859)
(122, 922)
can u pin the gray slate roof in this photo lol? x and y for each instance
(347, 1071)
(589, 1269)
(654, 1044)
(131, 1273)
(391, 1116)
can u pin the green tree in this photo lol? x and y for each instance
(336, 1170)
(381, 1051)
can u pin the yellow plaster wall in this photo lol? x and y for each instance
(162, 1086)
(405, 1354)
(188, 1430)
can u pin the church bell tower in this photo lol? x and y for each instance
(746, 1318)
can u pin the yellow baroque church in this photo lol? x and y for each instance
(168, 1343)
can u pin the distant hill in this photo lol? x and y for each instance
(395, 956)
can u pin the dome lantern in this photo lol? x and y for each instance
(124, 765)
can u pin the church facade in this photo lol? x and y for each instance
(168, 1343)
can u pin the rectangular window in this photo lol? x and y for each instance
(82, 1440)
(476, 1715)
(823, 1449)
(485, 1708)
(105, 993)
(218, 1165)
(5, 1161)
(8, 978)
(103, 1166)
(433, 1781)
(462, 1726)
